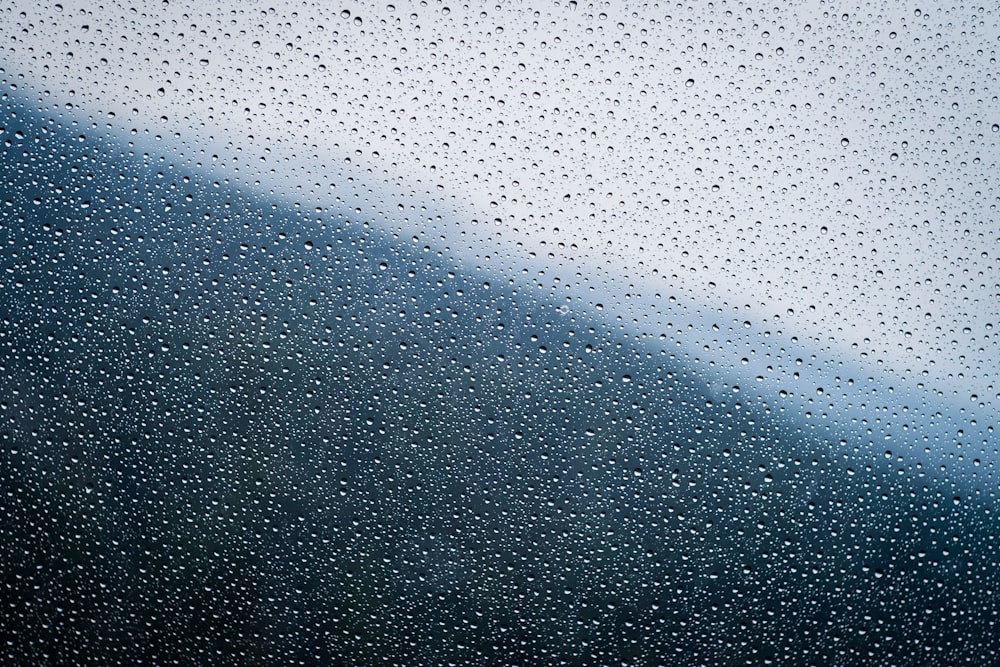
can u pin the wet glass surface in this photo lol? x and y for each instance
(493, 335)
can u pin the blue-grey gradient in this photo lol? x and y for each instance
(272, 399)
(233, 434)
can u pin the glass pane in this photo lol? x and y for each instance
(453, 334)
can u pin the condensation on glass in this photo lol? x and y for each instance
(480, 334)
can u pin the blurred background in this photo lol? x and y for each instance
(454, 335)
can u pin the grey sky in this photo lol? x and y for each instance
(827, 171)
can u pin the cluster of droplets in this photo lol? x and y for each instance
(358, 334)
(829, 167)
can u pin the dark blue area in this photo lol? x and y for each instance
(232, 432)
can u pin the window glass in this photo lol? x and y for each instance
(577, 333)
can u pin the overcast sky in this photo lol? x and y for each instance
(831, 173)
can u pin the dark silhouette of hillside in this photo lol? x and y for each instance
(236, 432)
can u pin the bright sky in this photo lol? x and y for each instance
(825, 171)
